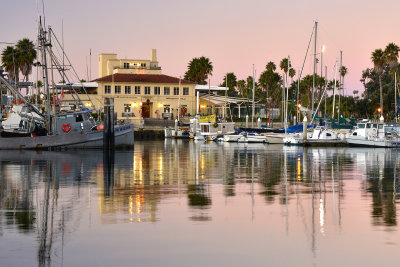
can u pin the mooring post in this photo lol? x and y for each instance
(305, 128)
(108, 140)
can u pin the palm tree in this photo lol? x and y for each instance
(9, 62)
(241, 85)
(378, 59)
(198, 70)
(284, 65)
(391, 55)
(343, 72)
(230, 81)
(270, 66)
(26, 55)
(292, 73)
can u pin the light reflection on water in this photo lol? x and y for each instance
(184, 203)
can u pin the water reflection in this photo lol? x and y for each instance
(50, 194)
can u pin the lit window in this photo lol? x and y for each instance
(127, 107)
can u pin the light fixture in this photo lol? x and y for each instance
(160, 105)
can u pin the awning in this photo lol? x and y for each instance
(210, 88)
(221, 100)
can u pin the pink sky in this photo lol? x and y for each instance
(233, 34)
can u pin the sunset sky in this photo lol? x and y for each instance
(233, 34)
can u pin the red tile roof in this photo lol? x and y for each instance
(141, 78)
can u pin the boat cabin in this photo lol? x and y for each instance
(369, 129)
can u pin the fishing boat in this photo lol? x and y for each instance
(374, 134)
(27, 126)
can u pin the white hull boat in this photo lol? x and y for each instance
(374, 134)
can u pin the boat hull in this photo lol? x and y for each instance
(373, 142)
(124, 137)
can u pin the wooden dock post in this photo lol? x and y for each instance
(108, 140)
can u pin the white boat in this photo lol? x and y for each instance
(275, 138)
(208, 131)
(374, 134)
(252, 138)
(324, 136)
(232, 137)
(294, 139)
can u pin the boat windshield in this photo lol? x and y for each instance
(361, 125)
(368, 125)
(375, 125)
(380, 126)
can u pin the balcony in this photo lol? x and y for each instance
(137, 68)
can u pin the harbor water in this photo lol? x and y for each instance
(181, 203)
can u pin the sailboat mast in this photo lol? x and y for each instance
(334, 90)
(42, 39)
(315, 66)
(395, 95)
(254, 86)
(340, 83)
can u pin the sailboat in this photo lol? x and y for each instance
(26, 126)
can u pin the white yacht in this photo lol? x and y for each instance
(374, 134)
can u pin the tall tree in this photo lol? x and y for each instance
(10, 62)
(198, 70)
(391, 55)
(378, 58)
(284, 65)
(231, 82)
(269, 79)
(26, 55)
(292, 73)
(241, 85)
(343, 72)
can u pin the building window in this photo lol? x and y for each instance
(107, 89)
(147, 90)
(167, 108)
(176, 90)
(127, 107)
(185, 90)
(143, 65)
(117, 89)
(166, 90)
(127, 90)
(156, 90)
(126, 65)
(137, 90)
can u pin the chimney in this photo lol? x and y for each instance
(153, 55)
